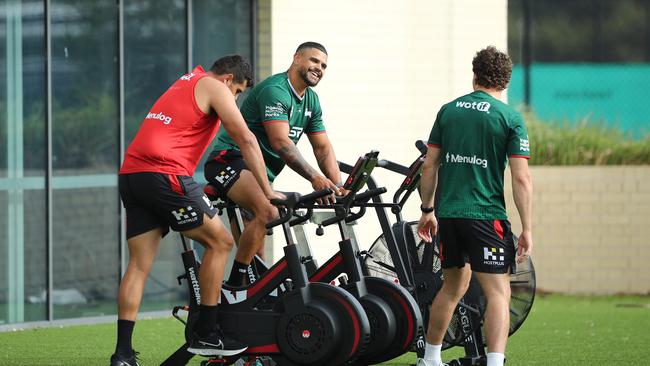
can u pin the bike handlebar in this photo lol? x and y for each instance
(292, 201)
(365, 196)
(422, 146)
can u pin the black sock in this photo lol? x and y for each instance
(207, 319)
(124, 333)
(238, 274)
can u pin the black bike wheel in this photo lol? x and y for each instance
(331, 329)
(407, 318)
(383, 325)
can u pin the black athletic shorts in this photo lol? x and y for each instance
(488, 245)
(223, 170)
(162, 200)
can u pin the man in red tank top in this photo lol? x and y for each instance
(158, 192)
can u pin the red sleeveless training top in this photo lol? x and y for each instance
(174, 134)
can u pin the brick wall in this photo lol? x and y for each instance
(591, 228)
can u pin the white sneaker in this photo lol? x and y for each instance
(423, 362)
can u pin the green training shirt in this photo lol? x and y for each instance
(476, 134)
(275, 101)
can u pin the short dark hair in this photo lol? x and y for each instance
(492, 68)
(315, 45)
(235, 65)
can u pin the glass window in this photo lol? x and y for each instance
(85, 155)
(597, 31)
(155, 55)
(22, 162)
(587, 61)
(5, 16)
(85, 140)
(221, 28)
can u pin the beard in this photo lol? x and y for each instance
(309, 78)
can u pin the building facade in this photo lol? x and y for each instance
(76, 80)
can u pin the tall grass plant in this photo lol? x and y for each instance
(584, 143)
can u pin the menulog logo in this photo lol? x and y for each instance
(166, 120)
(457, 158)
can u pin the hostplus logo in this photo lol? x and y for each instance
(159, 116)
(225, 176)
(480, 106)
(185, 215)
(457, 158)
(491, 258)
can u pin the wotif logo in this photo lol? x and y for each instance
(480, 106)
(457, 158)
(166, 120)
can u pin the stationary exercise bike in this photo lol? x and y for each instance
(309, 323)
(394, 315)
(395, 318)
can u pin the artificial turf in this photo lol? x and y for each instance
(560, 330)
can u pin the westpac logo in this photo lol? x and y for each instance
(457, 158)
(490, 256)
(481, 106)
(185, 214)
(159, 116)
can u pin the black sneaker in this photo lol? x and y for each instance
(118, 359)
(215, 344)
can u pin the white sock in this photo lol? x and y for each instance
(495, 359)
(432, 353)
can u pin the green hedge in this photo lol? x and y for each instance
(584, 143)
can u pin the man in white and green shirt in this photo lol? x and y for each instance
(471, 140)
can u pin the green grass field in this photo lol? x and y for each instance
(560, 330)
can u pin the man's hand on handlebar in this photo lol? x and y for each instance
(343, 192)
(276, 195)
(320, 182)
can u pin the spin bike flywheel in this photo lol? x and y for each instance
(406, 315)
(328, 330)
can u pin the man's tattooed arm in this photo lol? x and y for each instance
(292, 157)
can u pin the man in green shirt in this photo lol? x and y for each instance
(471, 140)
(279, 110)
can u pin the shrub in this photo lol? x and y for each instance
(584, 143)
